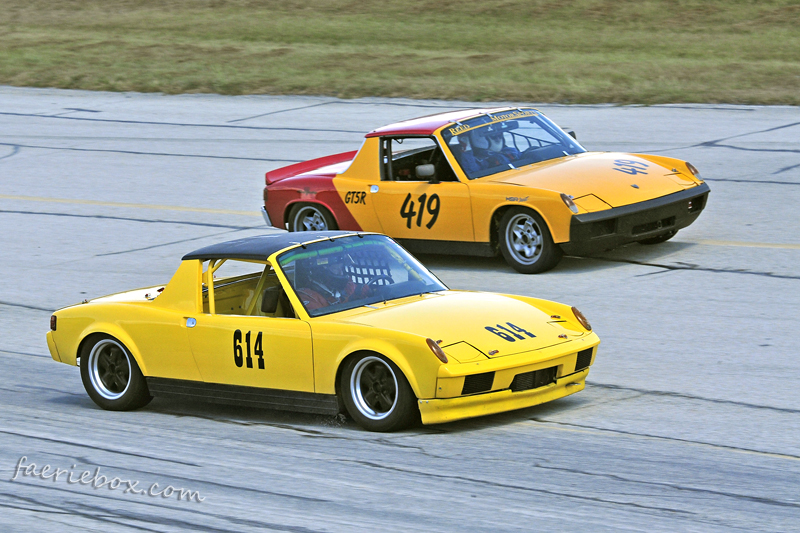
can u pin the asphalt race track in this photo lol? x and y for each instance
(690, 420)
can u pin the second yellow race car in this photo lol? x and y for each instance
(489, 181)
(324, 322)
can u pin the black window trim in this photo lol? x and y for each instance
(386, 162)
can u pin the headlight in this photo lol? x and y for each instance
(582, 319)
(569, 202)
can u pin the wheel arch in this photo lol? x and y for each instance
(116, 332)
(400, 362)
(300, 202)
(500, 211)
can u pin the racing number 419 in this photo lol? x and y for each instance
(238, 357)
(407, 210)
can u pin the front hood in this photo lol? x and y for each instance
(470, 322)
(616, 179)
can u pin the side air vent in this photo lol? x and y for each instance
(584, 359)
(534, 380)
(478, 383)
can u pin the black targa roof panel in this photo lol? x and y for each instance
(259, 248)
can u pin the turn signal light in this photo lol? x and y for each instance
(437, 350)
(53, 321)
(569, 202)
(582, 319)
(693, 170)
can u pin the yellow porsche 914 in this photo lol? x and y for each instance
(324, 322)
(486, 182)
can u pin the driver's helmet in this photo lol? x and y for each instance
(329, 271)
(494, 135)
(479, 142)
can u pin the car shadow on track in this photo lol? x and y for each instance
(322, 425)
(631, 254)
(247, 416)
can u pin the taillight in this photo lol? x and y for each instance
(437, 350)
(53, 320)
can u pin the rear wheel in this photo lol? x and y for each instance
(658, 239)
(526, 243)
(310, 217)
(377, 394)
(111, 376)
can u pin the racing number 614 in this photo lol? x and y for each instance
(509, 334)
(238, 356)
(407, 210)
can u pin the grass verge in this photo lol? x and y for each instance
(581, 51)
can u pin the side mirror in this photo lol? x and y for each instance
(269, 300)
(572, 134)
(427, 172)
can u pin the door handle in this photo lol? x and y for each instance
(191, 322)
(373, 188)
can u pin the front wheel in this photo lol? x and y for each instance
(111, 376)
(658, 239)
(310, 218)
(377, 394)
(525, 242)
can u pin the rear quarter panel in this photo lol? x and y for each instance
(155, 337)
(308, 189)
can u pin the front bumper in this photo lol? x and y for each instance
(51, 345)
(604, 230)
(450, 409)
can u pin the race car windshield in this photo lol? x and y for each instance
(490, 144)
(349, 272)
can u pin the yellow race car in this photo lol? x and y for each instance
(322, 323)
(489, 181)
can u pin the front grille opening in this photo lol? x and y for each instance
(534, 380)
(653, 226)
(584, 359)
(602, 228)
(696, 204)
(478, 383)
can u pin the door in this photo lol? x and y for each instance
(412, 207)
(237, 342)
(253, 351)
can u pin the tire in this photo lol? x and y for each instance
(391, 407)
(525, 242)
(658, 239)
(111, 375)
(310, 217)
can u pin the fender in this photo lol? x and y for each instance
(313, 190)
(117, 332)
(422, 388)
(557, 236)
(279, 174)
